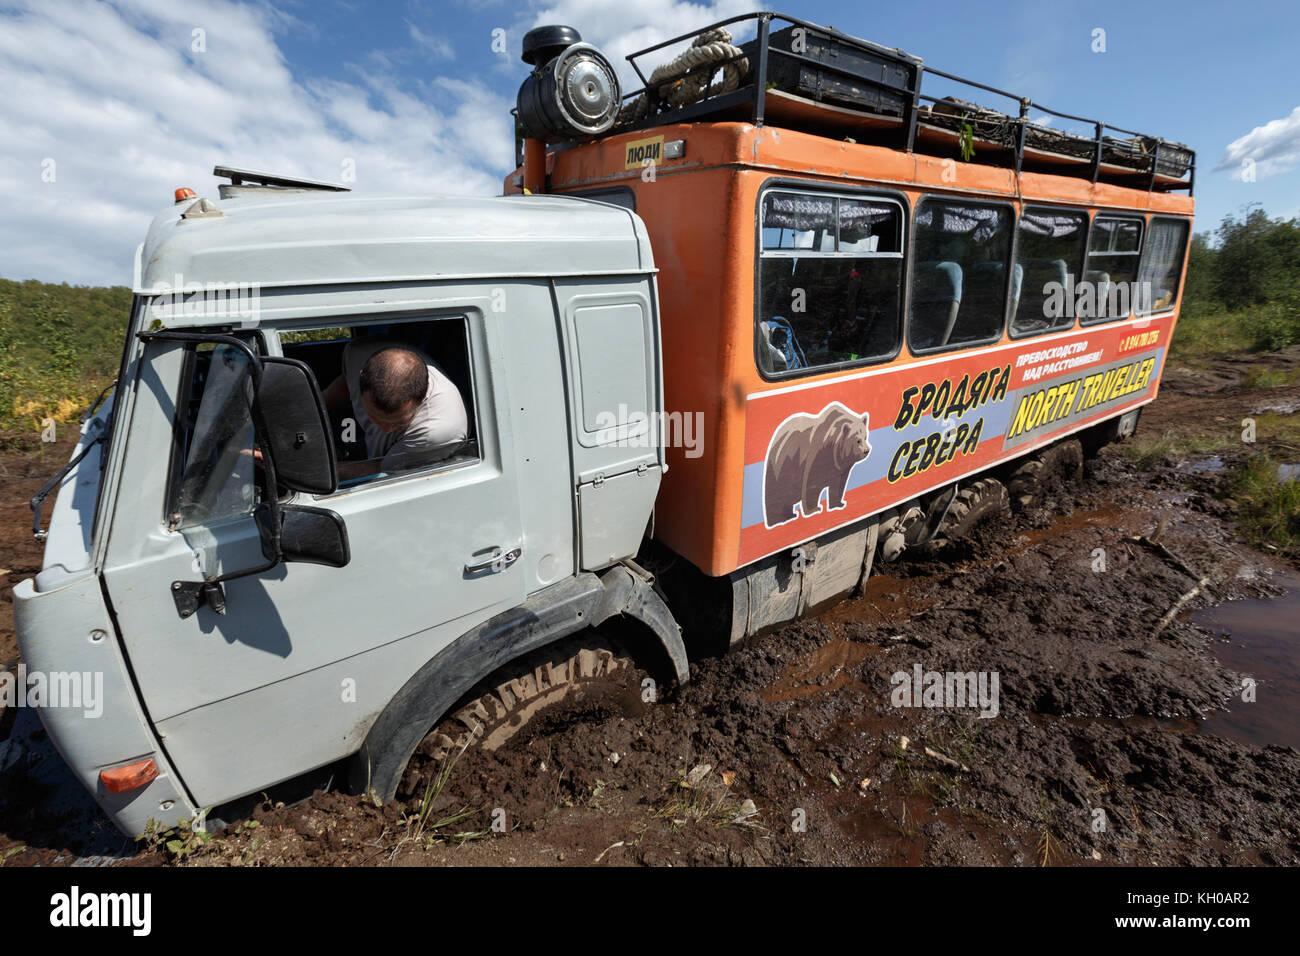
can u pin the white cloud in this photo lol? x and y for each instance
(1273, 148)
(438, 46)
(125, 108)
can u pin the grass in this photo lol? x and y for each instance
(1277, 430)
(177, 843)
(1259, 376)
(420, 823)
(700, 797)
(1149, 452)
(1048, 848)
(1207, 332)
(1268, 509)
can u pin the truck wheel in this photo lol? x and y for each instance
(1032, 480)
(976, 503)
(589, 674)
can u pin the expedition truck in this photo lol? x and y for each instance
(726, 341)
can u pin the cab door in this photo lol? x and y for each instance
(289, 677)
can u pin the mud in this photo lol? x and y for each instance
(1116, 740)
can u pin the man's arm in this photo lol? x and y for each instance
(337, 394)
(357, 469)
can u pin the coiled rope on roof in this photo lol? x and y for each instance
(687, 77)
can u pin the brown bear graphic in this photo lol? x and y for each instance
(809, 454)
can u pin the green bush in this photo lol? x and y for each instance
(59, 347)
(1276, 325)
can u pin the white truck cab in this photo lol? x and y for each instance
(253, 616)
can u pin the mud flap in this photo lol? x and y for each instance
(1127, 424)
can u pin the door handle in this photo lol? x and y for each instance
(499, 561)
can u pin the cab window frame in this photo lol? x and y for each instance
(894, 197)
(611, 195)
(1007, 269)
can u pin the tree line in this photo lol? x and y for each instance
(1249, 266)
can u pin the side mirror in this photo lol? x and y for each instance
(296, 427)
(308, 535)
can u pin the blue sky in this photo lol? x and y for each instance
(110, 106)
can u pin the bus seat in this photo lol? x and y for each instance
(773, 358)
(1039, 273)
(985, 288)
(936, 297)
(1101, 284)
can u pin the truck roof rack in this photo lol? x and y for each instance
(816, 79)
(251, 177)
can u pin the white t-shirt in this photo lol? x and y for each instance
(440, 425)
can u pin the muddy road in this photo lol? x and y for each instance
(1118, 733)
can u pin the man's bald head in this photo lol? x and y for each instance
(395, 380)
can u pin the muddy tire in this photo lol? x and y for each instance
(975, 504)
(1053, 467)
(588, 673)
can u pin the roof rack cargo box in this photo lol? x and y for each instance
(837, 69)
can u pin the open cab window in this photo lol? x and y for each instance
(442, 434)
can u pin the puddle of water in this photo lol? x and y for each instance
(828, 668)
(1109, 515)
(884, 600)
(1289, 472)
(1211, 465)
(1263, 644)
(1279, 408)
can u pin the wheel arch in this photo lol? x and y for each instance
(585, 600)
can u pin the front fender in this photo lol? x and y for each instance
(582, 601)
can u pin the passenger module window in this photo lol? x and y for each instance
(830, 281)
(1162, 264)
(959, 274)
(1113, 254)
(1050, 244)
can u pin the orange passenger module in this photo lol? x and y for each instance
(849, 326)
